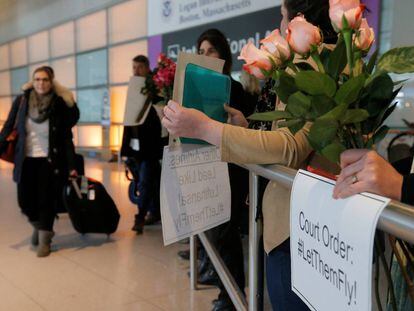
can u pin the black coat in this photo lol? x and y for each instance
(149, 136)
(61, 149)
(241, 100)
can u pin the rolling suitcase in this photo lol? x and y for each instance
(90, 207)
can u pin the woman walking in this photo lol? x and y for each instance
(44, 152)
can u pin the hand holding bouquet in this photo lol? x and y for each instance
(346, 97)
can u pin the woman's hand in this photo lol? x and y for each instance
(191, 123)
(366, 171)
(236, 117)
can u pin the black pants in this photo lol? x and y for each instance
(226, 237)
(37, 192)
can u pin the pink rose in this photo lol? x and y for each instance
(351, 9)
(365, 36)
(302, 35)
(276, 45)
(256, 60)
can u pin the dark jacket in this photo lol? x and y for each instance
(407, 192)
(61, 150)
(241, 100)
(149, 136)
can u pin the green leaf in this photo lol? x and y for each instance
(337, 60)
(381, 87)
(335, 114)
(398, 60)
(378, 136)
(372, 61)
(383, 115)
(322, 133)
(321, 104)
(333, 151)
(293, 125)
(298, 104)
(315, 83)
(284, 85)
(270, 116)
(324, 56)
(354, 116)
(397, 83)
(350, 90)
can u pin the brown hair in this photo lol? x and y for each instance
(46, 69)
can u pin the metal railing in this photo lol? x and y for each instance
(396, 219)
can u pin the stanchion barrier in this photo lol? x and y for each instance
(397, 219)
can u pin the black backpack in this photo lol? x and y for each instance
(90, 207)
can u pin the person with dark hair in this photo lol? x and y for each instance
(227, 238)
(44, 152)
(140, 66)
(242, 145)
(142, 145)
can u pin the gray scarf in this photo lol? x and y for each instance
(39, 106)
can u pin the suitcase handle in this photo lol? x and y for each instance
(77, 190)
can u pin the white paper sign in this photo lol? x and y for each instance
(174, 15)
(195, 191)
(136, 110)
(332, 244)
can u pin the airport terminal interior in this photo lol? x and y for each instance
(89, 48)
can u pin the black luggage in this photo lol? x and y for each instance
(90, 207)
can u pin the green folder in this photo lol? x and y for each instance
(205, 90)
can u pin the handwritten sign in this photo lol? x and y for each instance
(195, 191)
(332, 244)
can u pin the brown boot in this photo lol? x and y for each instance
(45, 240)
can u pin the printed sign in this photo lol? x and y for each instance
(168, 15)
(332, 244)
(195, 191)
(252, 27)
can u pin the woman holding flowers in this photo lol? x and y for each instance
(241, 145)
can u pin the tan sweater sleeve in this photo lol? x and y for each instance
(247, 146)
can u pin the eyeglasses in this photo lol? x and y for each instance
(42, 80)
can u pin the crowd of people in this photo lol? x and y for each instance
(45, 158)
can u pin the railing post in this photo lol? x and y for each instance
(254, 238)
(235, 293)
(193, 262)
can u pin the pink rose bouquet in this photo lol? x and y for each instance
(345, 96)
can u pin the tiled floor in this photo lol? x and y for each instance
(126, 272)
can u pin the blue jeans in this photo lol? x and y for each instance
(278, 280)
(149, 188)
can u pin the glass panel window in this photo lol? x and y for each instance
(39, 47)
(120, 60)
(4, 57)
(115, 136)
(63, 39)
(65, 71)
(5, 85)
(91, 31)
(91, 104)
(92, 68)
(89, 136)
(5, 106)
(118, 99)
(128, 21)
(19, 77)
(18, 53)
